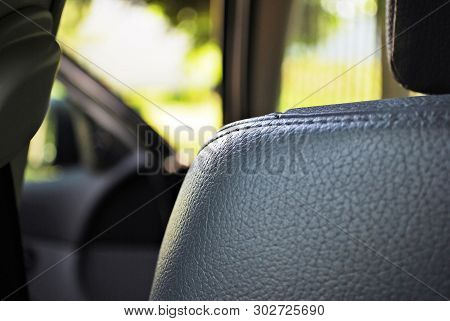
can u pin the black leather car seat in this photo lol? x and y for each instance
(29, 56)
(344, 202)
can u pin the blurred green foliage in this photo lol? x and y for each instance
(78, 10)
(315, 24)
(191, 16)
(298, 88)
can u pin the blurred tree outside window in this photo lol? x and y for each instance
(155, 54)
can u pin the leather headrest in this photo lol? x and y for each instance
(418, 36)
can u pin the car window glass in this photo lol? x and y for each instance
(161, 57)
(334, 54)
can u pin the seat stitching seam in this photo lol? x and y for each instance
(354, 119)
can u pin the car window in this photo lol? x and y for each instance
(162, 57)
(334, 54)
(70, 139)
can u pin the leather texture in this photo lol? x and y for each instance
(343, 202)
(419, 45)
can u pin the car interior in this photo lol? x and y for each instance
(342, 193)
